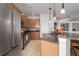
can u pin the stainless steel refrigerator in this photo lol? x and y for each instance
(10, 29)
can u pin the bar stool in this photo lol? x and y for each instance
(75, 47)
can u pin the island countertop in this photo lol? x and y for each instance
(69, 35)
(50, 38)
(49, 45)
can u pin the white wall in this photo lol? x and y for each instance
(44, 26)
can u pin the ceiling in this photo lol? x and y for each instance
(72, 9)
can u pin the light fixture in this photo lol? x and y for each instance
(54, 14)
(62, 10)
(49, 15)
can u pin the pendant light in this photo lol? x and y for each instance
(62, 10)
(49, 15)
(54, 14)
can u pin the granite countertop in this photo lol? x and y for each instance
(31, 29)
(69, 36)
(50, 38)
(54, 39)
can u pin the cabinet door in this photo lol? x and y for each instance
(49, 48)
(34, 35)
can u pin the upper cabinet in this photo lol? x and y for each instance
(34, 22)
(25, 20)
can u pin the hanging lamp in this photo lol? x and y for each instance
(62, 10)
(54, 14)
(49, 15)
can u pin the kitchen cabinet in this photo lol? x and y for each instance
(49, 48)
(34, 27)
(34, 35)
(25, 20)
(34, 22)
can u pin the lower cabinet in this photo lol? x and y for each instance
(49, 48)
(34, 35)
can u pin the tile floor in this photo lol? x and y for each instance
(31, 49)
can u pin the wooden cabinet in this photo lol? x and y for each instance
(34, 22)
(49, 48)
(34, 35)
(25, 20)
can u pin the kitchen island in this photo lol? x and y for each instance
(49, 46)
(65, 43)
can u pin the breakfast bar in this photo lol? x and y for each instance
(65, 43)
